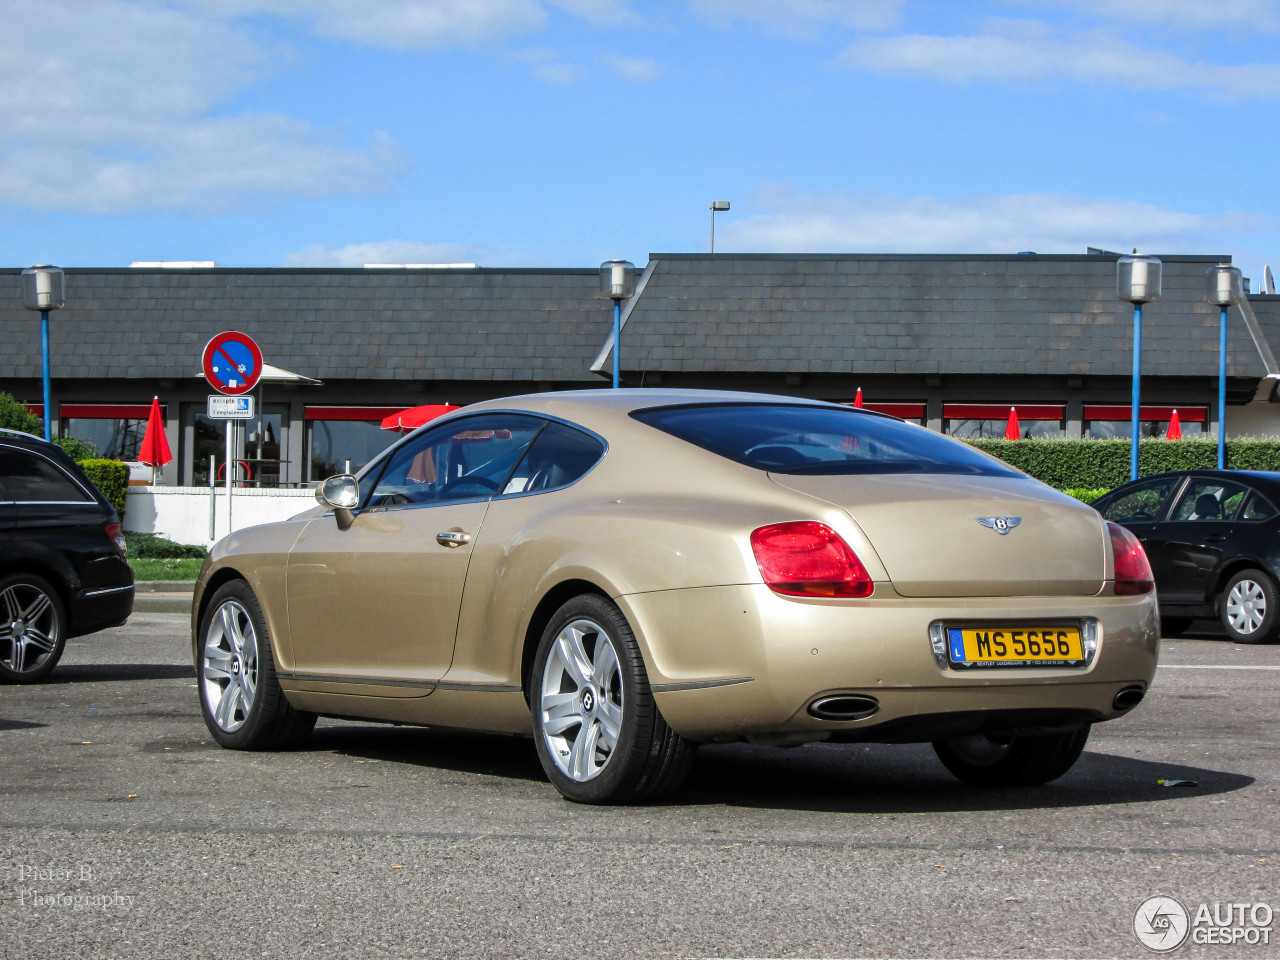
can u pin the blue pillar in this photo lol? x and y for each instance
(1222, 391)
(617, 339)
(1137, 378)
(44, 353)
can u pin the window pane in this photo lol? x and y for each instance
(1142, 503)
(464, 460)
(995, 429)
(1209, 500)
(1123, 429)
(1258, 508)
(558, 457)
(818, 440)
(116, 438)
(335, 442)
(31, 478)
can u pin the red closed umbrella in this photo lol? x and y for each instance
(857, 401)
(1175, 428)
(1011, 430)
(414, 417)
(155, 447)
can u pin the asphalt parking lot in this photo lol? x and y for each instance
(127, 833)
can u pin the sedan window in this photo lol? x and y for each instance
(462, 460)
(32, 479)
(557, 458)
(1258, 508)
(1209, 499)
(1142, 503)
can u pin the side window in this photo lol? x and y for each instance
(1141, 504)
(558, 457)
(1207, 499)
(1258, 508)
(464, 460)
(30, 478)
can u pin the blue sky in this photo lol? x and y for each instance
(566, 132)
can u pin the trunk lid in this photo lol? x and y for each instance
(926, 531)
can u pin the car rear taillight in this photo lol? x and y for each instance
(1133, 572)
(808, 559)
(116, 534)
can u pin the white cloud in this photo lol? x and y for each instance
(399, 24)
(791, 221)
(389, 251)
(1030, 53)
(122, 114)
(801, 18)
(638, 70)
(608, 13)
(1195, 14)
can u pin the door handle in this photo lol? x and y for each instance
(1216, 538)
(452, 538)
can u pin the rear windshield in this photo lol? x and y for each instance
(818, 440)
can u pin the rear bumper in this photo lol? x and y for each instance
(100, 608)
(742, 661)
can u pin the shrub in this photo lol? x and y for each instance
(155, 547)
(1097, 464)
(1084, 494)
(14, 415)
(112, 478)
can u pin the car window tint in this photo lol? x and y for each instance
(1141, 503)
(1257, 507)
(1209, 499)
(798, 439)
(463, 460)
(30, 478)
(558, 457)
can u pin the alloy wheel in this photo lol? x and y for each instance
(581, 710)
(230, 666)
(30, 628)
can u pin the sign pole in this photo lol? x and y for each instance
(232, 363)
(228, 465)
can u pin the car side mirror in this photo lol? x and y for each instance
(342, 495)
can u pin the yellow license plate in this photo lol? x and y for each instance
(1007, 646)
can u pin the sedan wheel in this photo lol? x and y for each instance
(597, 729)
(1011, 761)
(243, 705)
(1250, 607)
(32, 629)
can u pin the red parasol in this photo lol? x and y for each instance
(414, 417)
(1175, 428)
(857, 401)
(155, 447)
(1011, 431)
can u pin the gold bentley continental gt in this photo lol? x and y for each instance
(627, 574)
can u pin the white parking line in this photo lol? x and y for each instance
(1211, 666)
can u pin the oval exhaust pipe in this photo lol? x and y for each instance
(844, 707)
(1128, 698)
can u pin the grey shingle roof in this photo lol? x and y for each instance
(997, 314)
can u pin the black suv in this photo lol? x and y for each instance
(62, 557)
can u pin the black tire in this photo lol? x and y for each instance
(646, 760)
(33, 628)
(234, 663)
(1011, 761)
(1249, 607)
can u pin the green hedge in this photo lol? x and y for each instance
(112, 478)
(150, 546)
(1095, 464)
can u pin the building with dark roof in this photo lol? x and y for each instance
(950, 341)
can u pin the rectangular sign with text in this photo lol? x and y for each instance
(230, 408)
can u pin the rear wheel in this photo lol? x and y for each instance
(1250, 607)
(33, 628)
(1013, 761)
(597, 728)
(243, 705)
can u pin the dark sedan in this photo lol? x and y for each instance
(1213, 540)
(62, 566)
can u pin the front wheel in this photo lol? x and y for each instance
(597, 729)
(1013, 761)
(1250, 607)
(33, 628)
(243, 705)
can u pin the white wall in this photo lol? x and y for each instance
(182, 513)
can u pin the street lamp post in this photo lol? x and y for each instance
(44, 289)
(1224, 285)
(1138, 282)
(618, 283)
(716, 206)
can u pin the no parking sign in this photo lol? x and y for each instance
(232, 363)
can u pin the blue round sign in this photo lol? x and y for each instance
(232, 363)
